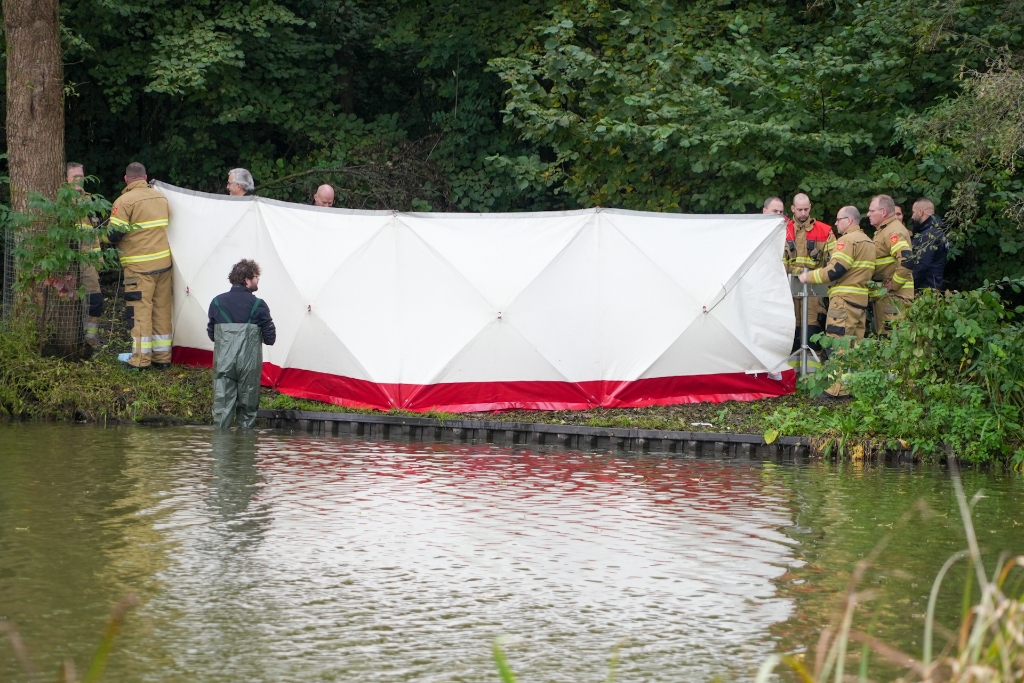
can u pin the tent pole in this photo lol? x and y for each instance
(803, 331)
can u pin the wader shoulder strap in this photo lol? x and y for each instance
(224, 314)
(255, 305)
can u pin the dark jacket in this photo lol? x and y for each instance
(930, 249)
(237, 304)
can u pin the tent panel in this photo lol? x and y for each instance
(520, 361)
(500, 255)
(701, 252)
(641, 309)
(559, 311)
(318, 244)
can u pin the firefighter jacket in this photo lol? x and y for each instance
(808, 245)
(851, 266)
(138, 225)
(892, 256)
(88, 239)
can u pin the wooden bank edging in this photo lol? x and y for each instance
(574, 437)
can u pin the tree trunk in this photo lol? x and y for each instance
(35, 110)
(35, 141)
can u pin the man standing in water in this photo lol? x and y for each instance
(238, 323)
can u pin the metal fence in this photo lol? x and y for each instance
(56, 306)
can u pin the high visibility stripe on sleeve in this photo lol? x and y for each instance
(900, 280)
(845, 258)
(144, 225)
(817, 276)
(848, 289)
(898, 247)
(884, 261)
(140, 258)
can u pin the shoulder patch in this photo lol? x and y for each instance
(840, 245)
(894, 238)
(113, 211)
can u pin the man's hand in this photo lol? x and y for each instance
(803, 278)
(890, 286)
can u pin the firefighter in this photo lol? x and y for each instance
(808, 245)
(848, 273)
(138, 227)
(892, 253)
(88, 242)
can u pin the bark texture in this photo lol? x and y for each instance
(35, 109)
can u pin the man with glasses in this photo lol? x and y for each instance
(808, 245)
(848, 273)
(892, 256)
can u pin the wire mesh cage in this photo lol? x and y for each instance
(56, 305)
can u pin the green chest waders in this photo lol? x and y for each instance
(237, 366)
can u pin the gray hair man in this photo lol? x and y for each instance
(240, 183)
(892, 257)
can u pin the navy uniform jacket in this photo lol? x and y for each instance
(930, 250)
(238, 304)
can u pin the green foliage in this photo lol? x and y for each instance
(711, 107)
(950, 375)
(98, 390)
(48, 238)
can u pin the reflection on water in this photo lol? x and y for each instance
(272, 557)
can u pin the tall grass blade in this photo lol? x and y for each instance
(929, 620)
(504, 670)
(767, 668)
(17, 645)
(99, 660)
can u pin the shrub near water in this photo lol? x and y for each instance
(951, 374)
(98, 390)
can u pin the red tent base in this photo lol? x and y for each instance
(465, 397)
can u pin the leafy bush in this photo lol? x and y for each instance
(950, 375)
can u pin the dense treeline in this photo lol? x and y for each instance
(702, 106)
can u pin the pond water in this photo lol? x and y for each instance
(277, 557)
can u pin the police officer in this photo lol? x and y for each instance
(808, 245)
(848, 272)
(138, 227)
(930, 246)
(892, 253)
(88, 242)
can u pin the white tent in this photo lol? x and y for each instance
(460, 312)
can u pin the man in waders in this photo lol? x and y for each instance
(239, 322)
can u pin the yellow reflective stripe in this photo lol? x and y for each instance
(900, 280)
(845, 258)
(804, 260)
(899, 246)
(166, 253)
(847, 289)
(864, 264)
(884, 260)
(144, 225)
(816, 276)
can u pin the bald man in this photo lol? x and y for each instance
(930, 246)
(324, 196)
(809, 244)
